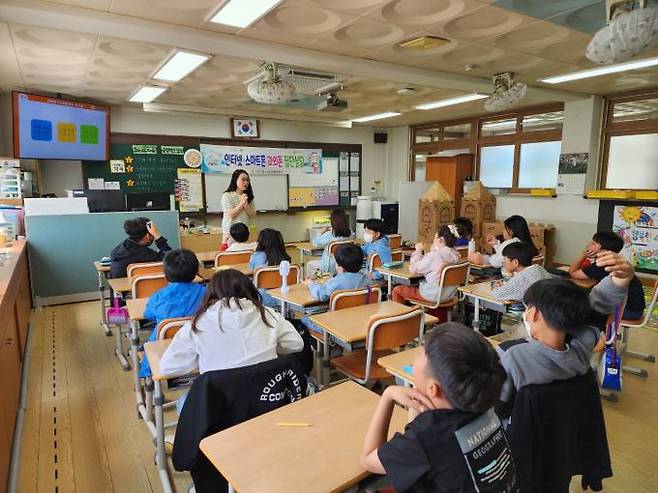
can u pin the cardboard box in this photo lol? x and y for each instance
(435, 209)
(478, 205)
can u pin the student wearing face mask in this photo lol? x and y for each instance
(430, 264)
(142, 233)
(376, 242)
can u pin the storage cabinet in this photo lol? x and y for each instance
(450, 171)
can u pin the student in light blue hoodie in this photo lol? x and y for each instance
(340, 230)
(349, 259)
(376, 242)
(270, 251)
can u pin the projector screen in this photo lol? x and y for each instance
(52, 128)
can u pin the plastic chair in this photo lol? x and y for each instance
(452, 275)
(349, 298)
(394, 241)
(539, 260)
(145, 286)
(232, 258)
(384, 334)
(397, 256)
(332, 246)
(463, 252)
(627, 325)
(269, 277)
(168, 327)
(144, 268)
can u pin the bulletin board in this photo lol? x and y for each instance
(637, 224)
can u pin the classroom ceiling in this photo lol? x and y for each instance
(104, 49)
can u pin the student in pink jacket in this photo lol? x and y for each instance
(441, 254)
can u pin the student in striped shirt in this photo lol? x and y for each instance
(517, 259)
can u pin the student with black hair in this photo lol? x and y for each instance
(377, 242)
(464, 231)
(454, 441)
(339, 230)
(515, 229)
(238, 240)
(270, 252)
(584, 268)
(563, 324)
(517, 260)
(142, 233)
(180, 298)
(230, 329)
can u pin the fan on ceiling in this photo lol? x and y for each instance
(632, 28)
(268, 87)
(506, 92)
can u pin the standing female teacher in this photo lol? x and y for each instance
(237, 202)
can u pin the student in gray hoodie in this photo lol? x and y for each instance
(563, 323)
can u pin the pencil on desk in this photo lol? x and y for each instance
(298, 425)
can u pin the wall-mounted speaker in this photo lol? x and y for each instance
(381, 137)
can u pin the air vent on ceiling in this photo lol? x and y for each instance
(423, 43)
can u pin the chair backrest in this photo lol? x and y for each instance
(374, 261)
(168, 327)
(463, 252)
(269, 277)
(333, 245)
(648, 311)
(144, 268)
(539, 260)
(145, 286)
(394, 241)
(232, 258)
(455, 275)
(348, 298)
(391, 332)
(397, 256)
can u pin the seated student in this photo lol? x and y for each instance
(270, 251)
(339, 230)
(516, 229)
(464, 231)
(441, 254)
(517, 259)
(376, 242)
(230, 329)
(563, 324)
(238, 237)
(141, 232)
(584, 268)
(457, 380)
(180, 298)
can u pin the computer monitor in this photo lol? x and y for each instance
(148, 201)
(103, 200)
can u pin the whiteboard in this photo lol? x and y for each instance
(410, 193)
(270, 191)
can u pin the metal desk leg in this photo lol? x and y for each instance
(101, 292)
(476, 313)
(134, 345)
(390, 287)
(161, 456)
(118, 350)
(326, 374)
(283, 308)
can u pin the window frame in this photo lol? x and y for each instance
(476, 140)
(611, 129)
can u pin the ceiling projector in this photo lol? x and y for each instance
(331, 103)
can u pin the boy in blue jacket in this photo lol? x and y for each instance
(376, 242)
(180, 298)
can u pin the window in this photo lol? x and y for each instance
(497, 166)
(498, 127)
(544, 121)
(453, 132)
(538, 164)
(630, 142)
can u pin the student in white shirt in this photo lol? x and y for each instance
(238, 239)
(231, 329)
(516, 229)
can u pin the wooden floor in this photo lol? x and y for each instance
(82, 434)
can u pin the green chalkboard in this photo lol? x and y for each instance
(140, 167)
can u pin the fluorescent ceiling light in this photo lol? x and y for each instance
(450, 101)
(378, 116)
(596, 72)
(179, 65)
(243, 13)
(146, 94)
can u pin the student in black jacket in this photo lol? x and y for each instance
(142, 233)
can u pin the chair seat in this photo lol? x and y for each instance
(632, 322)
(354, 364)
(428, 304)
(317, 336)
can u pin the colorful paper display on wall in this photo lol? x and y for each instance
(638, 226)
(312, 181)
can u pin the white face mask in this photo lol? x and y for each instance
(527, 326)
(367, 237)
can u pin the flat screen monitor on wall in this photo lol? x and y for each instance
(53, 128)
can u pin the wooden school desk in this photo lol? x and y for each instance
(207, 257)
(396, 363)
(583, 283)
(244, 268)
(299, 297)
(402, 275)
(320, 458)
(306, 248)
(124, 284)
(481, 292)
(154, 351)
(103, 272)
